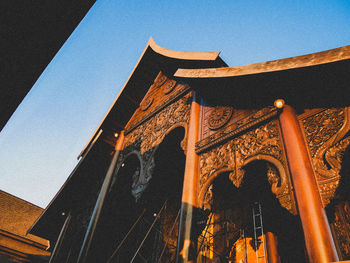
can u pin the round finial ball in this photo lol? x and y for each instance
(63, 213)
(116, 135)
(279, 103)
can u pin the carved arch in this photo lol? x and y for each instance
(202, 198)
(279, 187)
(276, 188)
(183, 142)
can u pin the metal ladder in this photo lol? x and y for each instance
(258, 226)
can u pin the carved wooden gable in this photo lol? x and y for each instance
(165, 107)
(162, 92)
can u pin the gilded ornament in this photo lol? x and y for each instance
(325, 131)
(160, 80)
(146, 103)
(261, 143)
(169, 86)
(219, 117)
(152, 132)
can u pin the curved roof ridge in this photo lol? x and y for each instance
(182, 54)
(313, 59)
(187, 57)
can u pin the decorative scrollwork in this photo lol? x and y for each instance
(263, 142)
(146, 103)
(159, 81)
(141, 180)
(320, 127)
(169, 86)
(152, 132)
(219, 117)
(233, 129)
(341, 226)
(325, 133)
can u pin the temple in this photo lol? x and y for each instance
(196, 161)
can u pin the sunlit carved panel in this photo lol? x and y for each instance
(223, 122)
(144, 139)
(151, 133)
(161, 93)
(325, 133)
(261, 143)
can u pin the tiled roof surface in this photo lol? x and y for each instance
(17, 215)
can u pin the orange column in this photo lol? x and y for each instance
(186, 249)
(319, 242)
(84, 250)
(271, 247)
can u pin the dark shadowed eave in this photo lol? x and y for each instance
(313, 80)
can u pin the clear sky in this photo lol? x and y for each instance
(40, 144)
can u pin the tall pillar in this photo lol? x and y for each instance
(318, 238)
(186, 249)
(57, 249)
(99, 203)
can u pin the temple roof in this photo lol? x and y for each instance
(314, 80)
(329, 56)
(152, 60)
(17, 216)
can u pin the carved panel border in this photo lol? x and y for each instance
(179, 91)
(145, 139)
(235, 129)
(152, 132)
(326, 136)
(261, 143)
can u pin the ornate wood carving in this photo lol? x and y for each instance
(263, 142)
(162, 93)
(144, 140)
(160, 79)
(141, 179)
(169, 86)
(158, 114)
(146, 103)
(152, 132)
(341, 226)
(234, 128)
(219, 117)
(326, 137)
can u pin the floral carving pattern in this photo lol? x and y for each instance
(146, 103)
(235, 128)
(152, 132)
(219, 117)
(169, 86)
(320, 127)
(233, 155)
(325, 133)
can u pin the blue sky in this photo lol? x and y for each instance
(40, 143)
